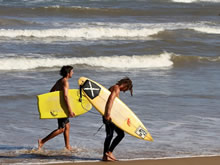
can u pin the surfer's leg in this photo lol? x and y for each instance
(48, 137)
(117, 139)
(115, 142)
(66, 136)
(109, 128)
(61, 128)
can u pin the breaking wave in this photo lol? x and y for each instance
(120, 62)
(163, 60)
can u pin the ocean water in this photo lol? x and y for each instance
(169, 48)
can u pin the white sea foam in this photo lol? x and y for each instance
(210, 30)
(193, 1)
(118, 62)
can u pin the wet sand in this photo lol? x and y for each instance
(212, 160)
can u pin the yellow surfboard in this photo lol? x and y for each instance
(52, 106)
(121, 114)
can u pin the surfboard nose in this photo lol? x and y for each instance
(149, 137)
(82, 80)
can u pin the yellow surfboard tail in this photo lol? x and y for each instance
(52, 105)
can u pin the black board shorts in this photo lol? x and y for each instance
(62, 122)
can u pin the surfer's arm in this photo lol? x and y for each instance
(109, 104)
(65, 93)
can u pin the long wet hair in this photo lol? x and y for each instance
(65, 70)
(128, 82)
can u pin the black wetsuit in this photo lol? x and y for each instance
(110, 128)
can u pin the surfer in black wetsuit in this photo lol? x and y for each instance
(63, 124)
(122, 85)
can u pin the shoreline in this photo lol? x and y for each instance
(201, 160)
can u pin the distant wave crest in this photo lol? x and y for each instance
(180, 60)
(89, 33)
(193, 1)
(112, 31)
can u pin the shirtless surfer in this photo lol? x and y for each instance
(63, 124)
(124, 85)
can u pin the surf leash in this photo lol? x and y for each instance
(98, 130)
(80, 93)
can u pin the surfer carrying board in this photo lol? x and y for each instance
(63, 124)
(124, 85)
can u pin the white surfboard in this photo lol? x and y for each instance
(121, 114)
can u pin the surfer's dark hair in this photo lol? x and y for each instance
(65, 70)
(128, 82)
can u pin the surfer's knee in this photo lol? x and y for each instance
(109, 136)
(121, 135)
(67, 126)
(61, 130)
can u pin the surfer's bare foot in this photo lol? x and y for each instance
(110, 155)
(69, 148)
(107, 158)
(40, 144)
(104, 158)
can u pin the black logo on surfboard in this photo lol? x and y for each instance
(141, 132)
(91, 89)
